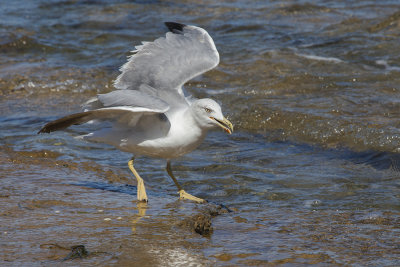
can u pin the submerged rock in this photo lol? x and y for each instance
(78, 251)
(201, 221)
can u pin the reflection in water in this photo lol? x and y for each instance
(141, 208)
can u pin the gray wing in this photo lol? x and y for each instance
(132, 98)
(170, 61)
(120, 116)
(143, 98)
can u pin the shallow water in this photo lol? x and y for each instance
(312, 169)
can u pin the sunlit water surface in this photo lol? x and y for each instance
(312, 167)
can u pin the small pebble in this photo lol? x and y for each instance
(100, 210)
(57, 211)
(107, 219)
(119, 218)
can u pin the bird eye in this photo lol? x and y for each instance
(207, 110)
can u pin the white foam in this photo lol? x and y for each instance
(177, 257)
(319, 58)
(384, 63)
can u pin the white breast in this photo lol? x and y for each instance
(183, 137)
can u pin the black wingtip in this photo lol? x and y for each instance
(175, 27)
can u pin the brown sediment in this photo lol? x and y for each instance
(393, 20)
(45, 90)
(52, 220)
(53, 80)
(47, 158)
(228, 257)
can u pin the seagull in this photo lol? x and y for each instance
(148, 113)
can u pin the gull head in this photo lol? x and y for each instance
(208, 115)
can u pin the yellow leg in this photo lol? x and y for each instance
(182, 193)
(141, 190)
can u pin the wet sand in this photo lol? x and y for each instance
(46, 210)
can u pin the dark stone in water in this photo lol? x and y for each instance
(201, 221)
(78, 251)
(201, 224)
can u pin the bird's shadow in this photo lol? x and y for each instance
(199, 219)
(125, 188)
(132, 190)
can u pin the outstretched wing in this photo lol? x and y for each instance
(133, 98)
(142, 98)
(170, 61)
(124, 116)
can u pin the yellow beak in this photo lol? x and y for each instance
(224, 124)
